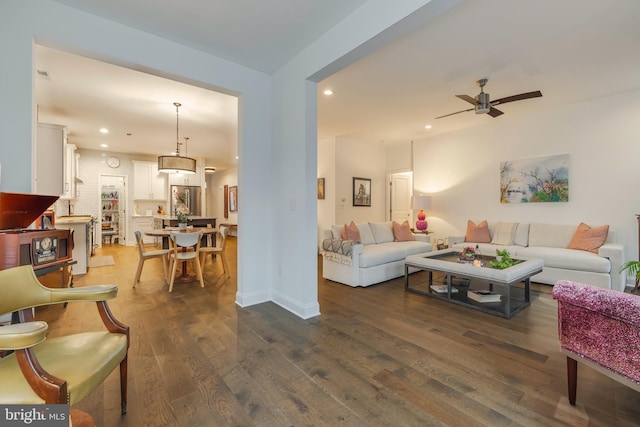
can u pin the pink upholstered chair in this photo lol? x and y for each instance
(600, 328)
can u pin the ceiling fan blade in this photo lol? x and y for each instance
(520, 97)
(467, 98)
(494, 112)
(457, 112)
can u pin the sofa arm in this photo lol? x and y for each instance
(601, 325)
(615, 253)
(343, 251)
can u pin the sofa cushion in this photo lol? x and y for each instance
(477, 233)
(402, 232)
(589, 239)
(550, 235)
(569, 259)
(521, 237)
(350, 232)
(366, 236)
(504, 233)
(382, 231)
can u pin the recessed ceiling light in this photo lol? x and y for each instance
(104, 145)
(104, 130)
(427, 127)
(237, 157)
(328, 92)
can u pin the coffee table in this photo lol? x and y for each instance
(459, 277)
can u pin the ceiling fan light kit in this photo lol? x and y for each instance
(482, 103)
(177, 164)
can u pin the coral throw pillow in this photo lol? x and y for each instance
(402, 232)
(477, 233)
(350, 232)
(589, 239)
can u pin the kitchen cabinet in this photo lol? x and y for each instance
(148, 183)
(70, 172)
(181, 179)
(50, 159)
(142, 224)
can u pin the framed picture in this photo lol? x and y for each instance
(233, 199)
(535, 180)
(226, 201)
(320, 188)
(361, 192)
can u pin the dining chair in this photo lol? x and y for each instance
(163, 254)
(217, 250)
(180, 253)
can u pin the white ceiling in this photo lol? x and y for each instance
(571, 50)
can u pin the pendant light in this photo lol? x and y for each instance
(177, 164)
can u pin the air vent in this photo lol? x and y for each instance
(44, 74)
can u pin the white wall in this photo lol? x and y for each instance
(361, 160)
(215, 190)
(340, 160)
(327, 170)
(461, 169)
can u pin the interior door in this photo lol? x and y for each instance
(400, 195)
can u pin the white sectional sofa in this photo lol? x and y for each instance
(375, 259)
(549, 242)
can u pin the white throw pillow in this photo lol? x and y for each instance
(366, 236)
(382, 231)
(504, 233)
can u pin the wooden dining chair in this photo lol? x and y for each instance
(179, 253)
(218, 250)
(163, 254)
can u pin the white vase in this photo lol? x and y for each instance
(182, 226)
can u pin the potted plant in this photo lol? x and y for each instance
(633, 269)
(182, 220)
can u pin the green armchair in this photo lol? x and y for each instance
(64, 369)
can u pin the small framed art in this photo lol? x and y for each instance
(361, 191)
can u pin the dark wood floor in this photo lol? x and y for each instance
(377, 356)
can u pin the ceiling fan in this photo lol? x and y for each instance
(482, 104)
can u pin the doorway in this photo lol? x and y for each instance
(112, 207)
(400, 192)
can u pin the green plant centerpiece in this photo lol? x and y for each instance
(633, 269)
(503, 260)
(182, 217)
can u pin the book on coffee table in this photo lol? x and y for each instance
(483, 296)
(442, 289)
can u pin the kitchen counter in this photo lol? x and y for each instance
(196, 221)
(82, 226)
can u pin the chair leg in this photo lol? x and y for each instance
(165, 268)
(138, 272)
(225, 266)
(572, 379)
(199, 271)
(123, 385)
(174, 266)
(203, 261)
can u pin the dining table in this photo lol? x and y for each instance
(165, 233)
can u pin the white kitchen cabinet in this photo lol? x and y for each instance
(142, 224)
(181, 179)
(70, 172)
(50, 159)
(148, 183)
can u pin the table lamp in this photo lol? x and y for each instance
(421, 203)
